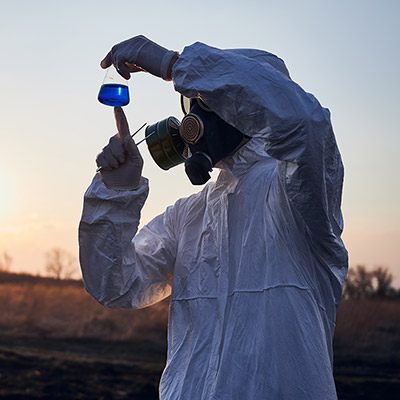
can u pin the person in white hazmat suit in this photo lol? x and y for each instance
(254, 262)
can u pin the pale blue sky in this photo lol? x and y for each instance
(344, 52)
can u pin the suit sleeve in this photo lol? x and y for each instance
(122, 268)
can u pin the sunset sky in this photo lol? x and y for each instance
(345, 52)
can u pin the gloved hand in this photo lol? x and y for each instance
(120, 161)
(140, 54)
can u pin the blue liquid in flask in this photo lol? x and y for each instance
(114, 94)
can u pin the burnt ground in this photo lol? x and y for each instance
(367, 378)
(32, 368)
(79, 369)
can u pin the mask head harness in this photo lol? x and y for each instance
(200, 140)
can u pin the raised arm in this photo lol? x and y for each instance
(252, 90)
(119, 269)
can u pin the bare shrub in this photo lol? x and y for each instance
(5, 262)
(60, 264)
(364, 284)
(382, 281)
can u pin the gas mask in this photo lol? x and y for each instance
(200, 140)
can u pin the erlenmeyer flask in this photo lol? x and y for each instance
(114, 91)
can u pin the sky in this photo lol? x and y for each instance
(52, 127)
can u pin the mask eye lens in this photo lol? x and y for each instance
(203, 105)
(185, 104)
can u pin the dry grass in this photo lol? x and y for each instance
(66, 311)
(369, 327)
(31, 306)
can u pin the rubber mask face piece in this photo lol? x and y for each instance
(209, 138)
(200, 141)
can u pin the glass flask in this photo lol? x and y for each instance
(114, 91)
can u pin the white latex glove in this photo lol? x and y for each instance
(120, 161)
(140, 54)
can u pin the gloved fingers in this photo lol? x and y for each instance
(133, 67)
(122, 123)
(124, 133)
(143, 55)
(133, 151)
(106, 61)
(111, 155)
(123, 70)
(108, 157)
(112, 59)
(116, 148)
(102, 162)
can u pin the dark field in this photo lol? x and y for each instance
(57, 343)
(79, 369)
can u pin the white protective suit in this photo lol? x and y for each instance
(254, 262)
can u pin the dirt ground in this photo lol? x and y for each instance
(367, 379)
(33, 368)
(56, 342)
(79, 369)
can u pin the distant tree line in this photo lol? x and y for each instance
(360, 283)
(366, 284)
(59, 263)
(5, 262)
